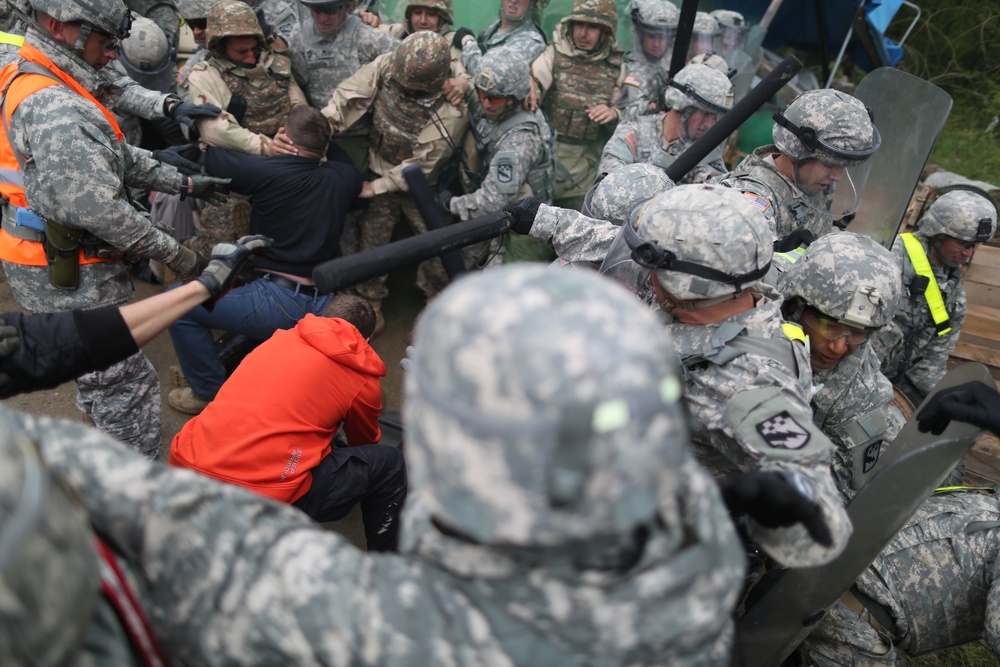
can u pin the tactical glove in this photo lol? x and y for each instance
(228, 259)
(522, 214)
(444, 198)
(211, 189)
(174, 157)
(796, 239)
(460, 34)
(265, 27)
(775, 500)
(971, 403)
(10, 339)
(186, 112)
(187, 263)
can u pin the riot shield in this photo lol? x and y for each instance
(909, 113)
(789, 603)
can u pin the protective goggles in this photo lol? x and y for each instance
(690, 92)
(832, 330)
(328, 10)
(810, 139)
(494, 100)
(196, 24)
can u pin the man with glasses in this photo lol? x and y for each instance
(695, 98)
(914, 347)
(68, 219)
(801, 180)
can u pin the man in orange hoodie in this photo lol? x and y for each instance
(270, 427)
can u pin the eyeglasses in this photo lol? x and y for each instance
(197, 24)
(831, 330)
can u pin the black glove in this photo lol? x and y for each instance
(186, 112)
(460, 34)
(971, 403)
(796, 239)
(237, 107)
(522, 214)
(265, 27)
(211, 189)
(775, 500)
(10, 339)
(444, 198)
(174, 156)
(227, 261)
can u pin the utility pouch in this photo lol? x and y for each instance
(919, 284)
(62, 251)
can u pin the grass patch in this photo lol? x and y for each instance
(965, 147)
(969, 655)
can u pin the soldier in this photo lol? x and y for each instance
(517, 145)
(195, 15)
(256, 88)
(146, 57)
(930, 587)
(695, 98)
(556, 516)
(706, 36)
(798, 181)
(69, 221)
(914, 348)
(414, 124)
(647, 65)
(578, 80)
(517, 31)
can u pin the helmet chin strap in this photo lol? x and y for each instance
(667, 304)
(685, 135)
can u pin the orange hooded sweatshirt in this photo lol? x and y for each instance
(272, 421)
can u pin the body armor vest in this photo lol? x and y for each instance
(397, 121)
(577, 86)
(266, 93)
(541, 176)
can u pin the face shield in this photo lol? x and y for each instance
(733, 37)
(654, 40)
(704, 42)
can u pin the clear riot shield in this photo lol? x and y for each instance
(910, 114)
(791, 602)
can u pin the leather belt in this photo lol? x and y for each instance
(310, 291)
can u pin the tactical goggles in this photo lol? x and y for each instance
(810, 139)
(328, 10)
(650, 255)
(690, 92)
(197, 24)
(494, 100)
(832, 330)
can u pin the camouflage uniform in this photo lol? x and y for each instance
(190, 10)
(492, 572)
(910, 346)
(407, 131)
(270, 92)
(162, 12)
(525, 41)
(570, 81)
(646, 77)
(283, 17)
(78, 176)
(845, 137)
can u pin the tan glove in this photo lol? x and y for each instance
(187, 264)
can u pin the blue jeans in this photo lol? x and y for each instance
(256, 310)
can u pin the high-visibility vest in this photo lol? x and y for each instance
(13, 40)
(932, 293)
(15, 86)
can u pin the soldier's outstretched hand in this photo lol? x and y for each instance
(228, 260)
(211, 189)
(971, 403)
(776, 500)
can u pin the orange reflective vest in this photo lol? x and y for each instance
(16, 87)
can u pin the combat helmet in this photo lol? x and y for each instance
(706, 36)
(540, 410)
(706, 243)
(614, 194)
(231, 18)
(603, 13)
(826, 125)
(960, 214)
(658, 17)
(713, 60)
(503, 74)
(146, 55)
(108, 16)
(699, 87)
(847, 277)
(422, 62)
(442, 7)
(732, 28)
(49, 582)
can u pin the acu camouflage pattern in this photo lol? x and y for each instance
(331, 60)
(708, 83)
(526, 40)
(786, 207)
(574, 236)
(211, 566)
(612, 197)
(938, 581)
(729, 401)
(163, 12)
(641, 141)
(645, 77)
(909, 345)
(962, 215)
(840, 120)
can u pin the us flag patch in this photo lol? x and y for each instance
(632, 80)
(758, 201)
(632, 142)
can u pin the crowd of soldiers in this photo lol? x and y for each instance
(598, 472)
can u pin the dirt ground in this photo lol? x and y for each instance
(400, 311)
